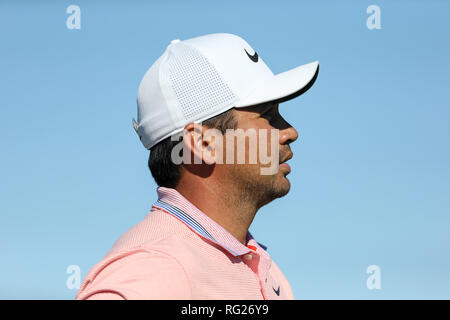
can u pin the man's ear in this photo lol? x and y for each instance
(201, 142)
(213, 142)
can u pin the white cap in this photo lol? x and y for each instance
(199, 78)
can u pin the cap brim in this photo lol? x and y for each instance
(283, 86)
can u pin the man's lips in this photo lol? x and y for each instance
(289, 157)
(284, 165)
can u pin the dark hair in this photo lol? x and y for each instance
(164, 171)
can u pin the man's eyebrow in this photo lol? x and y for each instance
(261, 108)
(264, 107)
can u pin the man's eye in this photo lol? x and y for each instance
(267, 115)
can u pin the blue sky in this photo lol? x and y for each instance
(371, 169)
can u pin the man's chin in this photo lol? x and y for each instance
(281, 187)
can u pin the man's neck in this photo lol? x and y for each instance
(225, 207)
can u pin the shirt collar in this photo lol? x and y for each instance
(172, 202)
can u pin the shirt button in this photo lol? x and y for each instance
(248, 257)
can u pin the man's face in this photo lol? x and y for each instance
(274, 135)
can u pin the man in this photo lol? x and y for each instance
(210, 92)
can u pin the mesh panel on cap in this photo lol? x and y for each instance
(196, 83)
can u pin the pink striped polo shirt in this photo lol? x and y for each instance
(178, 252)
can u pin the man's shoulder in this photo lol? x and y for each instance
(136, 273)
(156, 227)
(148, 255)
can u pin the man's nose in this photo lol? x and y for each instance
(288, 135)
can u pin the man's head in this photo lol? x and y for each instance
(241, 149)
(201, 87)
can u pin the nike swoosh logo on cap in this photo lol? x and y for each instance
(253, 57)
